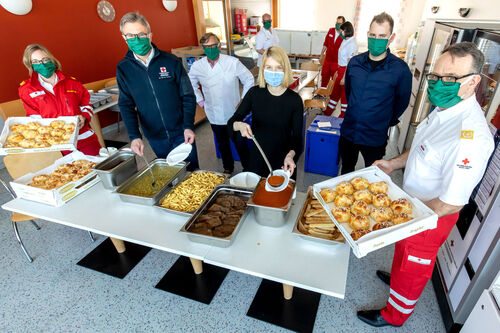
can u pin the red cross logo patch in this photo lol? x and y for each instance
(163, 69)
(466, 161)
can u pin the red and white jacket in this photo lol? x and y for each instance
(70, 98)
(332, 45)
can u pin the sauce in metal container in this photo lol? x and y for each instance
(280, 199)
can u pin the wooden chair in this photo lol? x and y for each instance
(323, 92)
(310, 66)
(18, 165)
(320, 103)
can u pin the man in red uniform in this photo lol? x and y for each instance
(447, 159)
(331, 47)
(51, 94)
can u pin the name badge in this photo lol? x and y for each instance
(37, 93)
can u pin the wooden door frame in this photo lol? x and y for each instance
(199, 18)
(275, 12)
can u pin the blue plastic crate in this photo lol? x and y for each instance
(322, 147)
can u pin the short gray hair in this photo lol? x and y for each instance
(467, 48)
(133, 17)
(207, 36)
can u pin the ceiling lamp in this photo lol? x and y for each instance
(170, 5)
(18, 7)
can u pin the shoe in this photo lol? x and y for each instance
(384, 277)
(373, 318)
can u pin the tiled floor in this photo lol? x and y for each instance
(53, 294)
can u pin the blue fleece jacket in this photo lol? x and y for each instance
(162, 94)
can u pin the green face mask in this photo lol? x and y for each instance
(267, 25)
(442, 95)
(342, 35)
(212, 52)
(377, 46)
(140, 46)
(337, 26)
(45, 69)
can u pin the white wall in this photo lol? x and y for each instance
(481, 9)
(254, 7)
(411, 17)
(314, 14)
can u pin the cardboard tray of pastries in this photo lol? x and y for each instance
(33, 135)
(314, 224)
(60, 182)
(371, 211)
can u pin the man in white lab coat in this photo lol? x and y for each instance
(219, 76)
(266, 37)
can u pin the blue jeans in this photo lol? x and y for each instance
(162, 147)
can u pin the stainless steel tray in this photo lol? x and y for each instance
(178, 212)
(271, 216)
(212, 240)
(297, 232)
(116, 169)
(149, 201)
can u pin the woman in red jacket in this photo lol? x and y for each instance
(50, 94)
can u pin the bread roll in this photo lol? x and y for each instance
(359, 222)
(359, 183)
(343, 200)
(328, 194)
(363, 195)
(360, 208)
(378, 187)
(344, 188)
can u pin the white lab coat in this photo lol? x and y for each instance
(264, 40)
(221, 89)
(449, 154)
(347, 50)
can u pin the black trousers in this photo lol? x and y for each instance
(224, 146)
(349, 152)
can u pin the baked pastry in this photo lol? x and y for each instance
(33, 125)
(401, 205)
(57, 124)
(69, 128)
(363, 195)
(401, 218)
(10, 145)
(54, 140)
(378, 187)
(41, 144)
(360, 183)
(359, 222)
(382, 225)
(18, 128)
(357, 234)
(44, 129)
(328, 194)
(381, 214)
(360, 208)
(343, 200)
(57, 132)
(27, 143)
(40, 179)
(15, 138)
(66, 136)
(344, 188)
(30, 134)
(381, 200)
(341, 214)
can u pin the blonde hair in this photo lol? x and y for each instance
(37, 47)
(278, 54)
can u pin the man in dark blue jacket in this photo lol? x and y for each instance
(378, 88)
(155, 91)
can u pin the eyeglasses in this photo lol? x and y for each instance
(211, 46)
(447, 80)
(140, 35)
(38, 62)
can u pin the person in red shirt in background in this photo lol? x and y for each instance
(50, 94)
(331, 47)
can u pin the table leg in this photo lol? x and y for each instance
(287, 291)
(119, 244)
(95, 124)
(197, 265)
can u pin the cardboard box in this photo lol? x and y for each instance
(56, 197)
(71, 145)
(424, 217)
(193, 50)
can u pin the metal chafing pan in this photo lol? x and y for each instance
(271, 216)
(178, 212)
(149, 201)
(116, 169)
(310, 195)
(212, 240)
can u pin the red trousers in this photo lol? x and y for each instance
(412, 267)
(327, 72)
(89, 146)
(338, 93)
